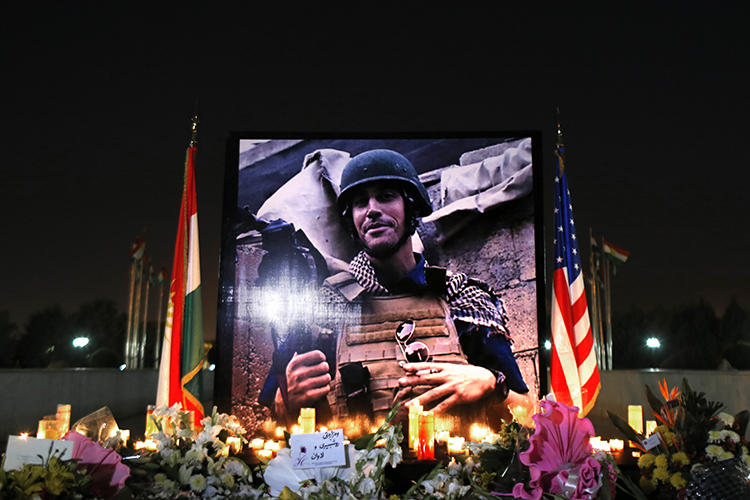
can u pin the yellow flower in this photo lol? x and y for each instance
(661, 461)
(647, 485)
(714, 451)
(662, 429)
(677, 481)
(661, 473)
(646, 461)
(668, 437)
(680, 458)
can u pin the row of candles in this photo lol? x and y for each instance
(422, 433)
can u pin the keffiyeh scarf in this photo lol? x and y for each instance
(469, 300)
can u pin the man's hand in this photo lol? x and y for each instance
(307, 380)
(453, 384)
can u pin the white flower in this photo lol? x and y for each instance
(184, 473)
(171, 457)
(194, 456)
(280, 472)
(731, 435)
(197, 483)
(455, 490)
(715, 437)
(236, 467)
(227, 480)
(204, 437)
(247, 491)
(726, 418)
(367, 486)
(210, 492)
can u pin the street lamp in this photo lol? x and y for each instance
(80, 342)
(653, 343)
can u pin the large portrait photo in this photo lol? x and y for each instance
(361, 273)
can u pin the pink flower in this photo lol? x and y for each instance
(559, 445)
(588, 479)
(108, 474)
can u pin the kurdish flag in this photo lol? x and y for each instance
(182, 354)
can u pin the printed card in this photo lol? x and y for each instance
(319, 449)
(21, 451)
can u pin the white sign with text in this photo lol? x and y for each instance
(29, 450)
(319, 449)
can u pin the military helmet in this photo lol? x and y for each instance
(383, 165)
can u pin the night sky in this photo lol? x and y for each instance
(97, 106)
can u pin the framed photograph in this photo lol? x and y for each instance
(315, 312)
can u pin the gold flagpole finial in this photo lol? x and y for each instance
(559, 143)
(194, 131)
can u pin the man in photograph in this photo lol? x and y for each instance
(402, 331)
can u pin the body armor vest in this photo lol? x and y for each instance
(371, 340)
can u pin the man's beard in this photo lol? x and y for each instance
(386, 250)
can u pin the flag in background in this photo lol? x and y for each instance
(618, 254)
(574, 371)
(182, 350)
(138, 248)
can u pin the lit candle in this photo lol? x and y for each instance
(265, 454)
(650, 427)
(307, 420)
(616, 445)
(234, 443)
(279, 432)
(271, 446)
(443, 436)
(635, 419)
(415, 410)
(150, 424)
(147, 444)
(598, 444)
(456, 445)
(426, 450)
(124, 436)
(257, 444)
(296, 429)
(478, 433)
(24, 435)
(63, 415)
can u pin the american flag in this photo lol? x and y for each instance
(574, 372)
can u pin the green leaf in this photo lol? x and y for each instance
(361, 442)
(287, 494)
(623, 426)
(653, 401)
(741, 419)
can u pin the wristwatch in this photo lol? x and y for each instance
(501, 388)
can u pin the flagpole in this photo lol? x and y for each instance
(144, 329)
(608, 307)
(133, 363)
(594, 297)
(157, 340)
(129, 328)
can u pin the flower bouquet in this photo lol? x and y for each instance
(92, 472)
(190, 463)
(695, 452)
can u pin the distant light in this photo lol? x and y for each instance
(653, 343)
(80, 342)
(122, 367)
(547, 345)
(211, 367)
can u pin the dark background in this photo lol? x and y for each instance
(97, 109)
